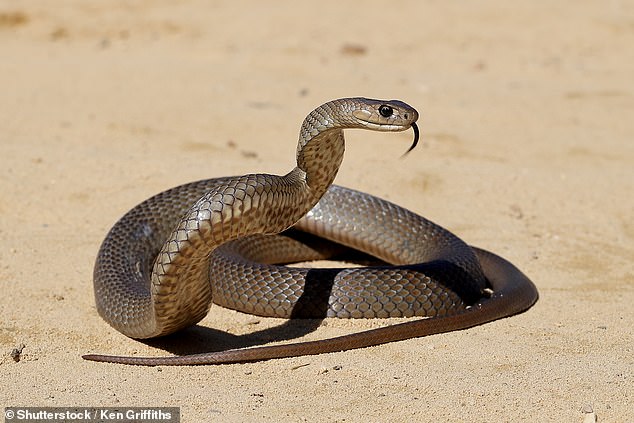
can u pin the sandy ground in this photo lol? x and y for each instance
(527, 150)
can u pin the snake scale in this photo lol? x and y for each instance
(163, 263)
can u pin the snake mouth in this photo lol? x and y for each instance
(416, 137)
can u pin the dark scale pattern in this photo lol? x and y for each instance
(387, 231)
(180, 273)
(122, 269)
(437, 273)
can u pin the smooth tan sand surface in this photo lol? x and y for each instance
(527, 150)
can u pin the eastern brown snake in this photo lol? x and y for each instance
(164, 262)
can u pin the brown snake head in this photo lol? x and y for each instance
(360, 113)
(388, 115)
(383, 115)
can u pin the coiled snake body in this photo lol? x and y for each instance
(152, 274)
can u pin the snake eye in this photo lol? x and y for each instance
(385, 111)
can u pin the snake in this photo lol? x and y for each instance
(226, 241)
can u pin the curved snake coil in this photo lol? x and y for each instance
(164, 262)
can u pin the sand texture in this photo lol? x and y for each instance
(527, 149)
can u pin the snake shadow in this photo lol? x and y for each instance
(308, 313)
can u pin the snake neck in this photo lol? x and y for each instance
(320, 148)
(319, 162)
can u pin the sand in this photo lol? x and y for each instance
(527, 150)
